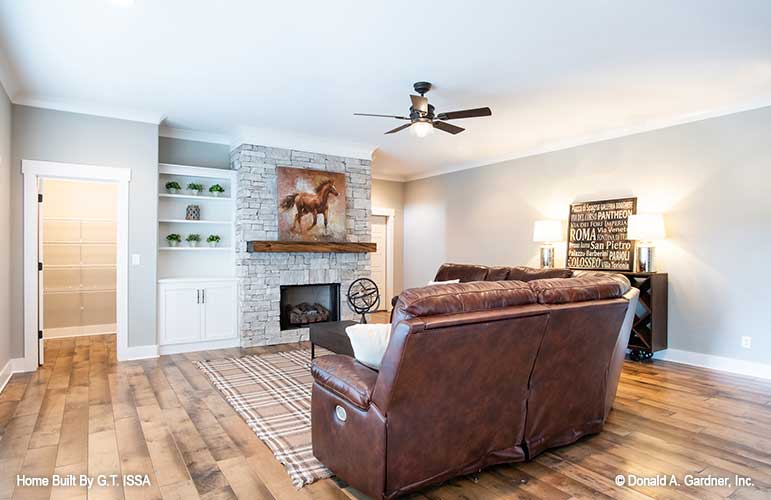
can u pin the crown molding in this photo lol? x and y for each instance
(300, 142)
(193, 135)
(95, 110)
(600, 137)
(390, 178)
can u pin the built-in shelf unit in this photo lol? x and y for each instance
(197, 306)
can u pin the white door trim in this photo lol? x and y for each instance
(32, 171)
(390, 215)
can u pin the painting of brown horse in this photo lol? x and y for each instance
(311, 205)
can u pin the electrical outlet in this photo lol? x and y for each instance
(747, 342)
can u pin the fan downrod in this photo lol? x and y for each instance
(421, 87)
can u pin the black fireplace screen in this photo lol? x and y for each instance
(302, 305)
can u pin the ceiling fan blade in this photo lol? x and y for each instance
(419, 103)
(448, 127)
(383, 116)
(400, 127)
(466, 113)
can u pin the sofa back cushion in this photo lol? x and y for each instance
(462, 272)
(564, 290)
(461, 298)
(523, 273)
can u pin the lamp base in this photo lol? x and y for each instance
(645, 258)
(547, 256)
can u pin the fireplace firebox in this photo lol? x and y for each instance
(302, 305)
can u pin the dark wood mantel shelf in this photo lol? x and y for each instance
(310, 246)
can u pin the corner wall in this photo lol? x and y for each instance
(48, 135)
(711, 179)
(5, 231)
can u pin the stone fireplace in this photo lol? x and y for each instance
(262, 275)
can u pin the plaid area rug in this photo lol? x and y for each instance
(272, 392)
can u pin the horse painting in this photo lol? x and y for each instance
(313, 193)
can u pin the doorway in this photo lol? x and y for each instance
(381, 261)
(78, 236)
(75, 254)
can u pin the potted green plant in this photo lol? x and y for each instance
(173, 239)
(173, 187)
(195, 188)
(193, 239)
(216, 190)
(213, 240)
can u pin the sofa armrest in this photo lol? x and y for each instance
(346, 377)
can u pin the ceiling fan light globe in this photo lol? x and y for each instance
(421, 129)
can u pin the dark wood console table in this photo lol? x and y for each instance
(649, 329)
(331, 336)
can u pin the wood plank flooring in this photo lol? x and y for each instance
(84, 413)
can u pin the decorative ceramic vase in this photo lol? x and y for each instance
(193, 212)
(213, 243)
(173, 191)
(173, 243)
(193, 243)
(215, 194)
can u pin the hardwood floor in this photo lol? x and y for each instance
(83, 413)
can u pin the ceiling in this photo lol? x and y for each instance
(555, 73)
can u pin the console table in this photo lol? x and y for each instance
(649, 329)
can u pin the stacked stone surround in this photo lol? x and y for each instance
(262, 274)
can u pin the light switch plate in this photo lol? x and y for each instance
(135, 259)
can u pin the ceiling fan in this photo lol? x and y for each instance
(422, 118)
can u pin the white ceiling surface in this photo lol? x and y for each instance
(555, 73)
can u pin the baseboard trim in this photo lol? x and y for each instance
(720, 363)
(139, 352)
(14, 365)
(205, 345)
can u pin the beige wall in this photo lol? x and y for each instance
(49, 135)
(5, 227)
(711, 179)
(387, 194)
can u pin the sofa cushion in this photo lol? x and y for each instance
(461, 298)
(498, 273)
(463, 272)
(523, 273)
(564, 290)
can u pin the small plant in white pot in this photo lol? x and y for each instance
(173, 239)
(193, 239)
(213, 240)
(173, 187)
(216, 190)
(195, 188)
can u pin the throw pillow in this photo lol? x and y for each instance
(369, 342)
(448, 282)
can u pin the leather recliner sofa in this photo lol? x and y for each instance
(475, 374)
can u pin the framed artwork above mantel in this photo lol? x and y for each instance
(311, 205)
(597, 235)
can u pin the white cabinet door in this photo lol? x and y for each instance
(219, 311)
(180, 314)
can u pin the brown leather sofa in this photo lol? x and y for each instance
(475, 374)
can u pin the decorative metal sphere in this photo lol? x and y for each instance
(363, 297)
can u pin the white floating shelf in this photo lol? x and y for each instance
(194, 197)
(194, 249)
(185, 221)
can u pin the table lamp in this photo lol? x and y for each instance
(547, 232)
(645, 228)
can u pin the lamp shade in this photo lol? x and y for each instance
(645, 227)
(546, 231)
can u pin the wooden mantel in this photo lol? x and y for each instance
(310, 246)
